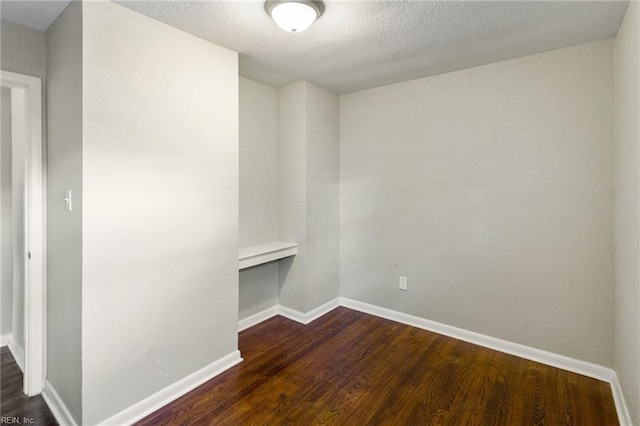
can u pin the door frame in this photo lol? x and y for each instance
(26, 121)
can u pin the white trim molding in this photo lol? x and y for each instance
(560, 361)
(544, 357)
(57, 406)
(292, 314)
(538, 355)
(4, 339)
(624, 416)
(17, 351)
(26, 132)
(165, 396)
(289, 313)
(257, 318)
(263, 253)
(310, 316)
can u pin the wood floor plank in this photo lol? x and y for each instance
(350, 368)
(407, 389)
(304, 378)
(225, 398)
(13, 402)
(423, 386)
(330, 372)
(369, 381)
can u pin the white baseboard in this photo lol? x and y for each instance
(560, 361)
(322, 310)
(624, 417)
(163, 397)
(4, 339)
(17, 352)
(57, 406)
(257, 318)
(292, 314)
(544, 357)
(310, 316)
(289, 313)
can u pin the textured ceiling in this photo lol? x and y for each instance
(33, 14)
(361, 44)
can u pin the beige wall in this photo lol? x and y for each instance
(491, 190)
(627, 210)
(258, 192)
(160, 207)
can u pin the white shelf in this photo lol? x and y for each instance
(263, 253)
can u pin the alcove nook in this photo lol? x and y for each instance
(288, 230)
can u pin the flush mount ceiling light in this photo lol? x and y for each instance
(294, 16)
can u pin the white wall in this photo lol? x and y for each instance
(23, 52)
(627, 209)
(308, 178)
(160, 207)
(64, 229)
(292, 192)
(258, 163)
(323, 176)
(258, 192)
(6, 244)
(491, 190)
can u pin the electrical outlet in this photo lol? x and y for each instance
(403, 283)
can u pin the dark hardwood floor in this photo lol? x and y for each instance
(349, 368)
(14, 403)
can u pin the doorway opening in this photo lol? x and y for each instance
(28, 245)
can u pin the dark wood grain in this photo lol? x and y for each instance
(13, 402)
(349, 368)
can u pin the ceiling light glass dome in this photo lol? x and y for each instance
(294, 16)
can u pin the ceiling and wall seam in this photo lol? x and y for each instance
(359, 45)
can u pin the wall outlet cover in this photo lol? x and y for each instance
(404, 283)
